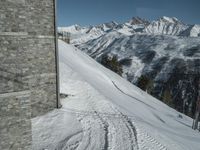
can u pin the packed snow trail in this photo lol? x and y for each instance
(104, 127)
(105, 112)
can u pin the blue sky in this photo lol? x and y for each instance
(92, 12)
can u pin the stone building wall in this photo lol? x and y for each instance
(28, 78)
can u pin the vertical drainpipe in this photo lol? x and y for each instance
(58, 105)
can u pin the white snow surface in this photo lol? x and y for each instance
(105, 112)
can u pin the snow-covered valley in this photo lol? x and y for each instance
(103, 111)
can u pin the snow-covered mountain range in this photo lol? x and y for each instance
(162, 26)
(165, 51)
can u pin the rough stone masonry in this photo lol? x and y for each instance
(28, 68)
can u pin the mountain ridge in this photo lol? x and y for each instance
(162, 26)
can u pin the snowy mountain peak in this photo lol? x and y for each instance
(166, 26)
(138, 21)
(163, 26)
(107, 26)
(169, 19)
(72, 29)
(75, 27)
(114, 22)
(192, 31)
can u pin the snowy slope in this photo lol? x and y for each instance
(162, 58)
(104, 111)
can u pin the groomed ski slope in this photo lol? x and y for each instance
(105, 112)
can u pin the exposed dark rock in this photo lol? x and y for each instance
(192, 51)
(125, 61)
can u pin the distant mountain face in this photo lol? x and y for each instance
(162, 26)
(192, 31)
(166, 26)
(139, 21)
(163, 56)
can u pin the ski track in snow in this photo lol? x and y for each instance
(65, 144)
(103, 131)
(145, 141)
(115, 131)
(110, 131)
